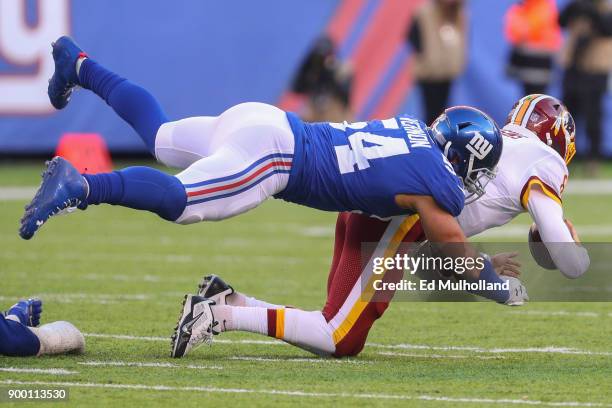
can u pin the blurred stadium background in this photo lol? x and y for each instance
(120, 275)
(205, 56)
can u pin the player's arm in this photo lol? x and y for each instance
(438, 225)
(560, 238)
(441, 227)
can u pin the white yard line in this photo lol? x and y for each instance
(440, 356)
(298, 360)
(54, 371)
(146, 364)
(307, 394)
(149, 338)
(520, 231)
(563, 313)
(17, 193)
(593, 187)
(545, 350)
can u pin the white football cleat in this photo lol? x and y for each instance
(518, 291)
(214, 288)
(59, 338)
(194, 327)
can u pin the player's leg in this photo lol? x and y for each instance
(351, 309)
(342, 327)
(130, 101)
(252, 147)
(176, 144)
(235, 311)
(251, 152)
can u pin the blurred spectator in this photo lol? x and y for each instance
(326, 82)
(587, 59)
(533, 31)
(437, 35)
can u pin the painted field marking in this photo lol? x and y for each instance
(154, 338)
(440, 356)
(147, 364)
(301, 394)
(520, 231)
(545, 350)
(17, 193)
(54, 371)
(298, 360)
(558, 313)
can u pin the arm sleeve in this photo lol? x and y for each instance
(571, 258)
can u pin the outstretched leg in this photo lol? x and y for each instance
(246, 158)
(231, 163)
(342, 327)
(131, 102)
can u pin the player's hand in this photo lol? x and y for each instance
(35, 308)
(506, 264)
(572, 230)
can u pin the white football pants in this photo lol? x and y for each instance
(232, 162)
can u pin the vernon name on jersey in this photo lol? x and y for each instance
(362, 166)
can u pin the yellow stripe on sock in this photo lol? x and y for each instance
(280, 323)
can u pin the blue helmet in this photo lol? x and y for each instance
(472, 143)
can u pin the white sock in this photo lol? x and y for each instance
(86, 188)
(240, 299)
(250, 319)
(79, 61)
(307, 330)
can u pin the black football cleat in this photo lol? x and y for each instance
(214, 288)
(194, 327)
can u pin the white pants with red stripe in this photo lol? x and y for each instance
(232, 162)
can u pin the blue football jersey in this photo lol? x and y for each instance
(362, 167)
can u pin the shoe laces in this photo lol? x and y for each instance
(202, 337)
(66, 207)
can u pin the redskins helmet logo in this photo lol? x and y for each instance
(549, 120)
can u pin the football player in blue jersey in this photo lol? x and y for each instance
(232, 162)
(21, 335)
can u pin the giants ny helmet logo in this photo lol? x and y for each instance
(479, 146)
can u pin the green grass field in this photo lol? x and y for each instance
(120, 276)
